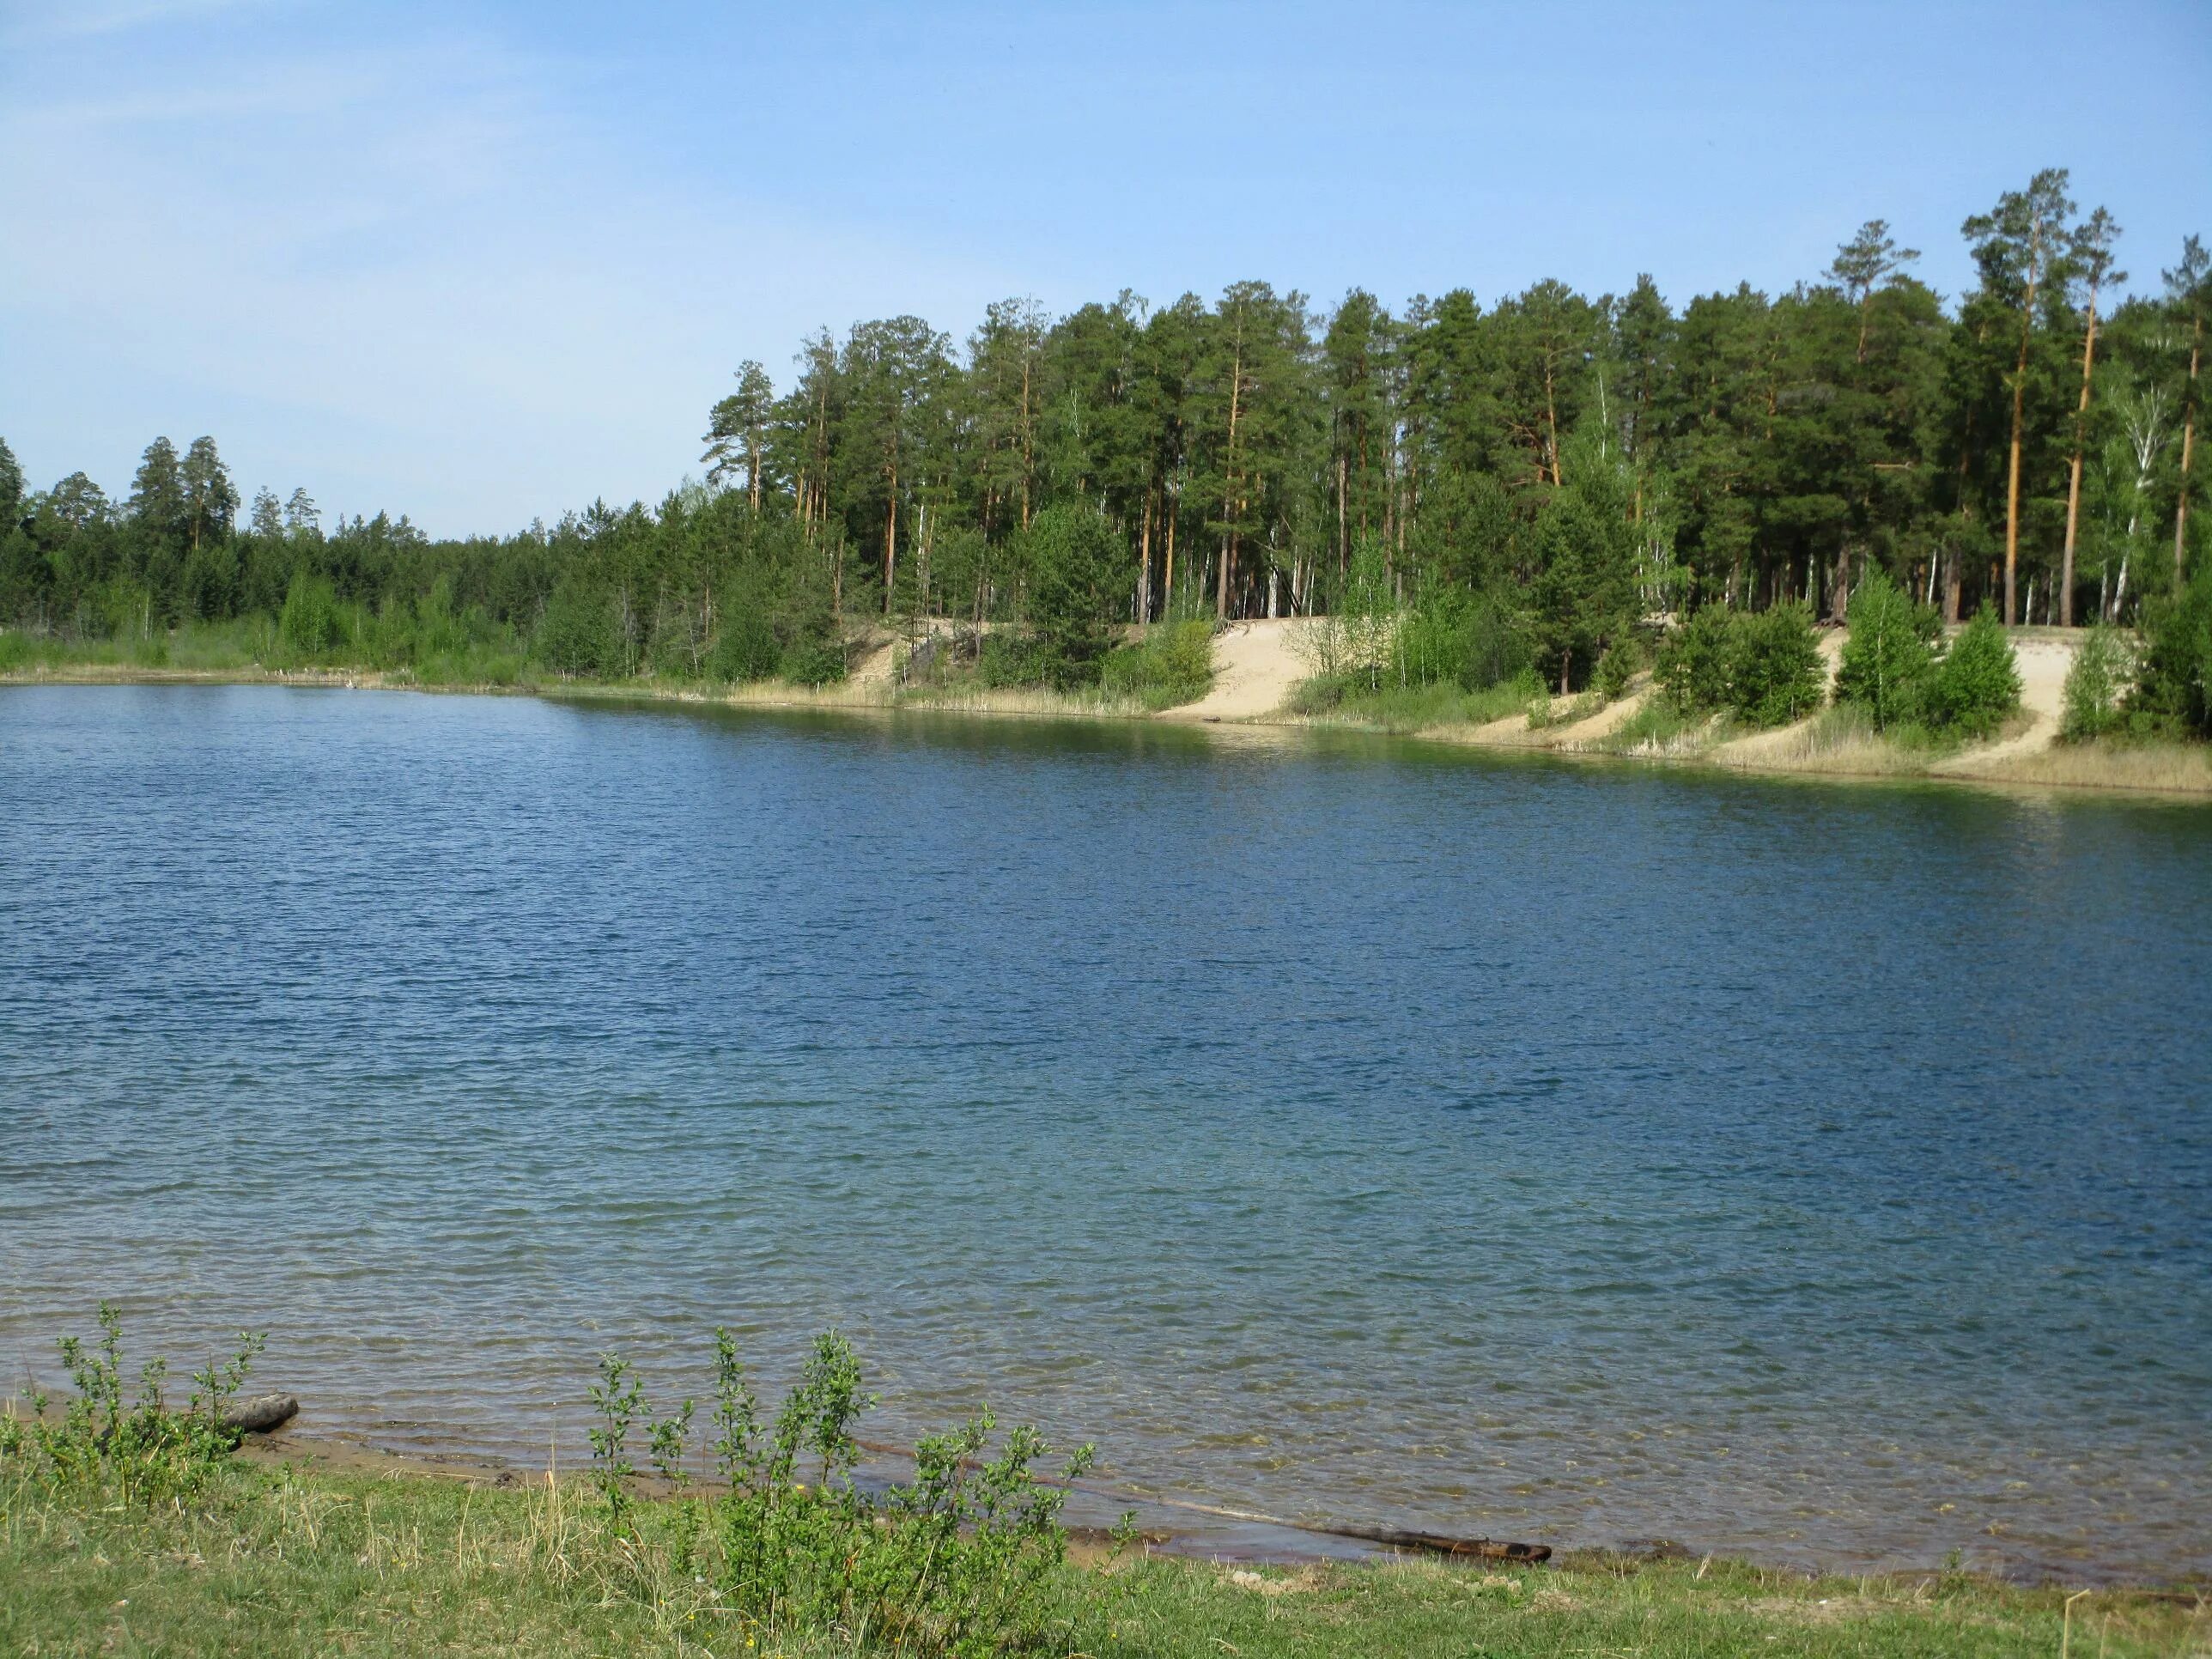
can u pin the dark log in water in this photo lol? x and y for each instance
(261, 1414)
(1486, 1549)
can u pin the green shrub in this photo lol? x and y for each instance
(815, 662)
(1075, 594)
(1889, 657)
(2173, 691)
(1691, 666)
(1774, 671)
(1619, 664)
(580, 632)
(1473, 641)
(1976, 687)
(100, 1449)
(1763, 667)
(747, 647)
(15, 652)
(1173, 664)
(311, 626)
(1008, 657)
(957, 1562)
(2103, 669)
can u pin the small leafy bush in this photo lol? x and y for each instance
(1692, 665)
(1763, 667)
(1619, 664)
(1889, 657)
(2173, 691)
(2103, 669)
(1473, 641)
(1774, 671)
(1976, 687)
(139, 1452)
(1008, 658)
(746, 648)
(1174, 664)
(311, 626)
(815, 662)
(1075, 593)
(955, 1563)
(580, 632)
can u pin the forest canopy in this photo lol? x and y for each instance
(1563, 468)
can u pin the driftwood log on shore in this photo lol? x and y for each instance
(261, 1414)
(1432, 1543)
(1485, 1549)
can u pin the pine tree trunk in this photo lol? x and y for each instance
(1229, 539)
(2019, 411)
(1552, 419)
(1028, 456)
(2188, 448)
(2012, 488)
(2074, 474)
(890, 542)
(1145, 565)
(1343, 519)
(1167, 556)
(1951, 577)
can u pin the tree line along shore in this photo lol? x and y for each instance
(1470, 507)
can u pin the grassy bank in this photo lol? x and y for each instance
(131, 1525)
(1837, 742)
(1381, 705)
(246, 653)
(289, 1560)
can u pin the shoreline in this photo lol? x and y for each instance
(2024, 764)
(345, 1456)
(278, 1559)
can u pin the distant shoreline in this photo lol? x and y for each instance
(2164, 771)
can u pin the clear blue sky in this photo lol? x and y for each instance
(480, 262)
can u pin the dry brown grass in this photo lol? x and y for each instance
(2167, 767)
(1837, 742)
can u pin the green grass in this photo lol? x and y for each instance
(1407, 708)
(278, 1561)
(202, 647)
(249, 648)
(1661, 726)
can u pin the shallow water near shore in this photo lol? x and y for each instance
(1324, 1125)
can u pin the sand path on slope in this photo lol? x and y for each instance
(1255, 665)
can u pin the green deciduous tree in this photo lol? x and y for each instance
(1976, 687)
(1889, 655)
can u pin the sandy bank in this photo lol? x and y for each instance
(1259, 664)
(1256, 666)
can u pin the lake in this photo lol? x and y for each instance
(1327, 1126)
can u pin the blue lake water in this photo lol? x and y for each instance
(1332, 1127)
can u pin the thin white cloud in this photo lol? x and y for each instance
(413, 269)
(92, 18)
